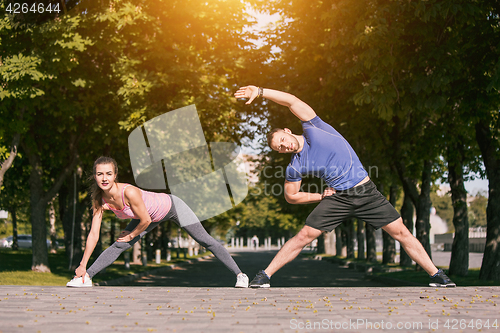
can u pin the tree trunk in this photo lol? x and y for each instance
(488, 143)
(389, 252)
(459, 263)
(38, 204)
(321, 243)
(149, 242)
(361, 239)
(71, 217)
(424, 208)
(40, 262)
(338, 241)
(136, 253)
(162, 243)
(350, 237)
(407, 216)
(112, 232)
(5, 165)
(371, 245)
(98, 247)
(52, 221)
(421, 202)
(167, 234)
(13, 213)
(343, 235)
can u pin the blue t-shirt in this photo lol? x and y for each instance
(326, 155)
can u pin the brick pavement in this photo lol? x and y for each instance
(340, 307)
(197, 309)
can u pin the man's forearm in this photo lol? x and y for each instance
(300, 109)
(303, 198)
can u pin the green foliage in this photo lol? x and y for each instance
(20, 68)
(5, 228)
(23, 225)
(262, 214)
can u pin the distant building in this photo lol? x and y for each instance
(438, 225)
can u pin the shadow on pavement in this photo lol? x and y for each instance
(302, 272)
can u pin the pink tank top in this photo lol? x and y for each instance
(157, 204)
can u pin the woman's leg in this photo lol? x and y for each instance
(200, 235)
(184, 216)
(112, 253)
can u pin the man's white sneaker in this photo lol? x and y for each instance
(78, 283)
(241, 281)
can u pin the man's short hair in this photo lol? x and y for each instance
(270, 135)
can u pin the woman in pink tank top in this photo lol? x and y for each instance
(147, 210)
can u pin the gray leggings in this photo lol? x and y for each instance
(180, 212)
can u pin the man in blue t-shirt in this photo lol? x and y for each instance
(322, 152)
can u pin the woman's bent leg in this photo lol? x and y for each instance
(108, 256)
(185, 217)
(200, 235)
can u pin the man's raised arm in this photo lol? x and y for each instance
(300, 109)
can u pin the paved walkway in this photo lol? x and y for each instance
(196, 298)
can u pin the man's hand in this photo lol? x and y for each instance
(250, 92)
(327, 192)
(125, 236)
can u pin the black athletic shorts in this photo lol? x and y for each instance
(363, 201)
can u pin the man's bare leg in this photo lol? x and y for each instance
(411, 245)
(292, 248)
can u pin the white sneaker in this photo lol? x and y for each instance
(78, 283)
(241, 281)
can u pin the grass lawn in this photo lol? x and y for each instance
(472, 278)
(15, 269)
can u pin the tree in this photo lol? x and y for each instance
(407, 211)
(25, 76)
(389, 249)
(365, 50)
(72, 206)
(410, 62)
(98, 71)
(371, 246)
(360, 233)
(487, 137)
(262, 215)
(459, 262)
